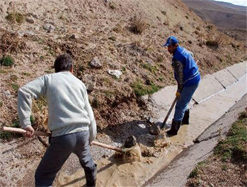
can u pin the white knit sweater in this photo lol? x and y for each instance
(69, 110)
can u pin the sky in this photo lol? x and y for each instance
(235, 2)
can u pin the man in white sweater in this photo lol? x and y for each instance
(70, 120)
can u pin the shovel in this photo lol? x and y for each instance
(156, 129)
(40, 133)
(169, 112)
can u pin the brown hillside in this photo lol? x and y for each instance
(124, 35)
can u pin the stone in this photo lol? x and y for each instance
(115, 73)
(30, 20)
(49, 27)
(95, 62)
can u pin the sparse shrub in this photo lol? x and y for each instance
(13, 78)
(212, 43)
(112, 5)
(138, 25)
(1, 104)
(7, 61)
(194, 173)
(15, 17)
(11, 43)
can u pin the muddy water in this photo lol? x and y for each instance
(117, 172)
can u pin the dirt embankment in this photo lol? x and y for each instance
(123, 35)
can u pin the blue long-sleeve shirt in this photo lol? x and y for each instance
(186, 71)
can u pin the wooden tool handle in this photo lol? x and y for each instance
(107, 146)
(22, 131)
(168, 114)
(40, 133)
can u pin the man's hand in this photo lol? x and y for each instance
(29, 131)
(178, 94)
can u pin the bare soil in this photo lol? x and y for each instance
(87, 29)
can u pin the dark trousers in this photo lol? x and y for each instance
(58, 152)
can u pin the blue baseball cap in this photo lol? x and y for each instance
(171, 40)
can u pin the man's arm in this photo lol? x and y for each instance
(33, 89)
(93, 126)
(178, 69)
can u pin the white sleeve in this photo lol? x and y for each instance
(93, 126)
(33, 89)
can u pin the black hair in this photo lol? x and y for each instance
(63, 63)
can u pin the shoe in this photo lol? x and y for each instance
(175, 127)
(186, 117)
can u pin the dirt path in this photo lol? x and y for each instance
(177, 172)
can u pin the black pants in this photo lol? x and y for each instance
(58, 152)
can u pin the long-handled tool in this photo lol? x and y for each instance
(40, 133)
(169, 112)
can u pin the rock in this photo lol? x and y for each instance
(115, 73)
(29, 20)
(7, 93)
(74, 36)
(25, 33)
(49, 27)
(96, 62)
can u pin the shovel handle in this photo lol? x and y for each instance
(107, 146)
(170, 110)
(40, 133)
(22, 131)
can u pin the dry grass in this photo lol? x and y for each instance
(138, 25)
(11, 43)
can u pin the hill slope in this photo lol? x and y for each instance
(123, 35)
(226, 16)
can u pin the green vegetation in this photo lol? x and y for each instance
(8, 135)
(15, 17)
(15, 86)
(7, 61)
(149, 67)
(194, 173)
(234, 147)
(142, 89)
(1, 104)
(26, 74)
(3, 71)
(13, 77)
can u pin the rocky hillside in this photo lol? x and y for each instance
(103, 35)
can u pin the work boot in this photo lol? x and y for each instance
(91, 183)
(175, 127)
(186, 117)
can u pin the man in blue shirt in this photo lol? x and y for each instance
(187, 76)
